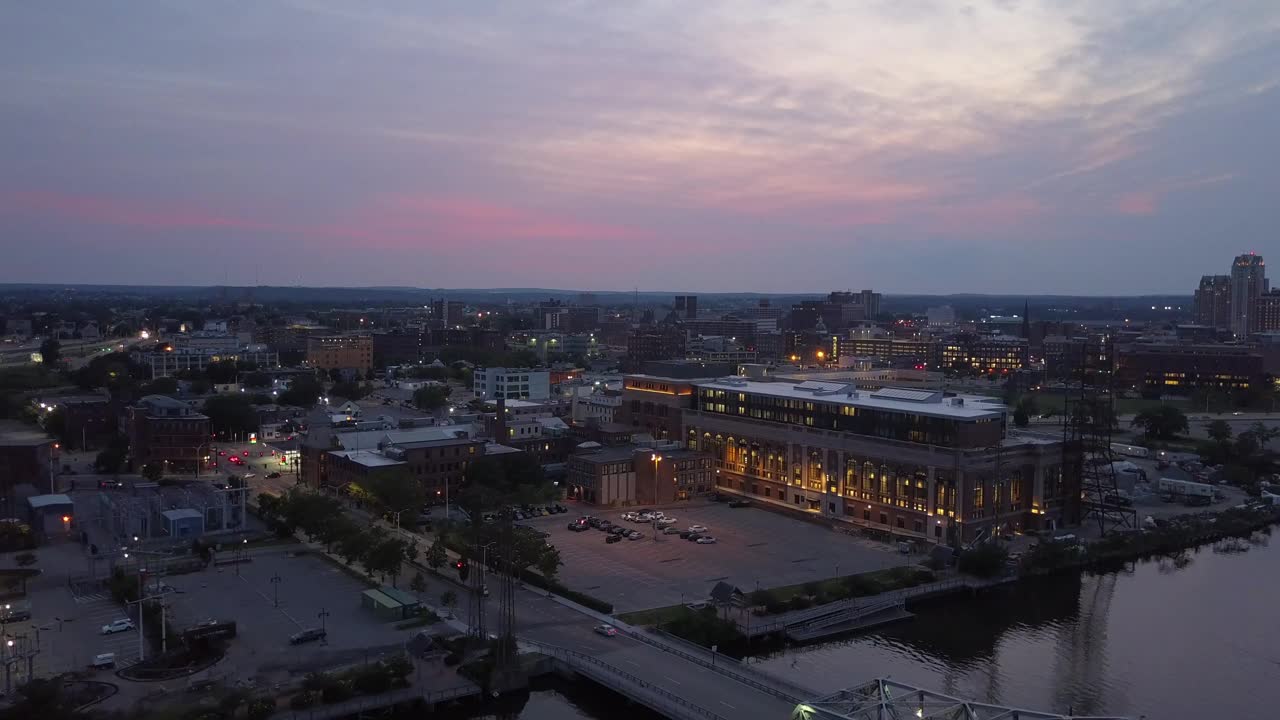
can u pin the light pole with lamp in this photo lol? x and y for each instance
(275, 589)
(241, 550)
(324, 635)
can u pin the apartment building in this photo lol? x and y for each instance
(335, 352)
(167, 431)
(498, 383)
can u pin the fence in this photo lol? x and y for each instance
(356, 706)
(657, 698)
(726, 666)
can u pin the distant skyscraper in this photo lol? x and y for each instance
(686, 306)
(1213, 301)
(1248, 283)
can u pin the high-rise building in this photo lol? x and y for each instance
(1248, 283)
(1266, 311)
(686, 306)
(1213, 301)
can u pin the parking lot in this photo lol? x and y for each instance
(753, 547)
(307, 587)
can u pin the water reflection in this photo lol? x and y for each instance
(1190, 636)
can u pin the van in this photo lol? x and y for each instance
(305, 636)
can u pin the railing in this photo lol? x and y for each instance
(659, 698)
(375, 702)
(848, 615)
(801, 617)
(792, 693)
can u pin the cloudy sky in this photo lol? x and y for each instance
(932, 146)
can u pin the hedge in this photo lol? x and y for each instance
(594, 603)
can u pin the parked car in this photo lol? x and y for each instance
(693, 537)
(612, 538)
(629, 516)
(684, 534)
(606, 630)
(579, 526)
(739, 503)
(671, 530)
(273, 475)
(634, 535)
(706, 540)
(666, 522)
(697, 528)
(103, 661)
(618, 530)
(117, 626)
(306, 636)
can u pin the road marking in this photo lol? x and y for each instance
(633, 662)
(728, 705)
(672, 679)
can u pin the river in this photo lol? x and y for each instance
(1194, 639)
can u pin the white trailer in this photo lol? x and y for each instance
(1184, 488)
(1130, 450)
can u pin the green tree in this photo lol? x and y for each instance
(1263, 434)
(256, 380)
(386, 557)
(349, 390)
(1020, 417)
(303, 391)
(51, 352)
(222, 372)
(436, 555)
(1219, 430)
(448, 598)
(153, 471)
(355, 546)
(111, 459)
(418, 585)
(395, 490)
(1163, 423)
(549, 562)
(231, 414)
(985, 560)
(431, 397)
(160, 386)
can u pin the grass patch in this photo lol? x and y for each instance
(654, 616)
(423, 620)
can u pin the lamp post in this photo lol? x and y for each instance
(275, 589)
(324, 636)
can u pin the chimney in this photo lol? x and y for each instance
(500, 423)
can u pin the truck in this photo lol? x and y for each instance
(1130, 450)
(1184, 488)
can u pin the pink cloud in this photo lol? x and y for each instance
(1137, 203)
(97, 210)
(999, 212)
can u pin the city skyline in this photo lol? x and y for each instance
(1001, 148)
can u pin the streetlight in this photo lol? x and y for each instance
(275, 589)
(324, 636)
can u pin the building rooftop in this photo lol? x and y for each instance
(43, 501)
(908, 401)
(367, 458)
(606, 454)
(182, 514)
(24, 438)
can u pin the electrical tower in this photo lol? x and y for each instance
(1088, 417)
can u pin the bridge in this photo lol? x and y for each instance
(881, 699)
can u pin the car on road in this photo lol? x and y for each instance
(706, 540)
(612, 538)
(273, 475)
(634, 535)
(697, 528)
(117, 626)
(306, 636)
(605, 630)
(103, 661)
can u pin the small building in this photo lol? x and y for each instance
(50, 515)
(389, 603)
(183, 523)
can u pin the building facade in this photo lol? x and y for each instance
(1212, 306)
(1179, 368)
(603, 475)
(498, 383)
(672, 475)
(1248, 283)
(906, 463)
(167, 431)
(336, 352)
(654, 405)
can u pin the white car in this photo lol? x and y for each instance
(697, 528)
(117, 626)
(606, 630)
(706, 540)
(629, 516)
(635, 535)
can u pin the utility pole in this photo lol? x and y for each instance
(324, 635)
(275, 589)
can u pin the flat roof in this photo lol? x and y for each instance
(43, 501)
(400, 596)
(367, 458)
(908, 401)
(607, 454)
(182, 514)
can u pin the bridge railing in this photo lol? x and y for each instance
(674, 705)
(776, 688)
(848, 614)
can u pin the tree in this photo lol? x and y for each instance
(349, 390)
(1020, 417)
(436, 555)
(355, 546)
(395, 491)
(231, 414)
(1219, 430)
(1263, 434)
(303, 391)
(1163, 423)
(431, 397)
(256, 380)
(153, 471)
(448, 598)
(986, 560)
(385, 557)
(110, 460)
(418, 585)
(222, 372)
(51, 352)
(549, 562)
(160, 386)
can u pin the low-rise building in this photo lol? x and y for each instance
(339, 352)
(673, 474)
(167, 431)
(497, 383)
(28, 461)
(599, 475)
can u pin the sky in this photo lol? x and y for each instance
(910, 146)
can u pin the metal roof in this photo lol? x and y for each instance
(881, 699)
(43, 501)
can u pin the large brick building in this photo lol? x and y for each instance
(336, 352)
(167, 431)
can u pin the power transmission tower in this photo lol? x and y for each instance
(1093, 494)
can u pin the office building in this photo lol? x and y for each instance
(1212, 306)
(497, 383)
(941, 316)
(1179, 368)
(655, 342)
(913, 464)
(653, 404)
(337, 352)
(664, 476)
(172, 361)
(1266, 312)
(599, 475)
(984, 353)
(167, 431)
(1248, 283)
(686, 306)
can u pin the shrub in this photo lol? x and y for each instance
(372, 680)
(261, 708)
(302, 700)
(986, 560)
(25, 559)
(335, 692)
(861, 586)
(799, 602)
(452, 659)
